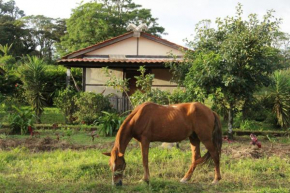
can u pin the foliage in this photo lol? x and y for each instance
(55, 79)
(33, 35)
(31, 74)
(145, 93)
(256, 108)
(109, 123)
(181, 95)
(279, 94)
(19, 121)
(117, 83)
(5, 49)
(154, 95)
(232, 61)
(12, 29)
(65, 101)
(144, 82)
(94, 22)
(6, 61)
(10, 84)
(89, 107)
(44, 32)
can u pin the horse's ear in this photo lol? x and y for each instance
(107, 154)
(120, 154)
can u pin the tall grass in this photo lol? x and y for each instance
(88, 171)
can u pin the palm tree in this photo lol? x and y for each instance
(31, 74)
(280, 95)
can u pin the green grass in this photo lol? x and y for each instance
(88, 170)
(52, 115)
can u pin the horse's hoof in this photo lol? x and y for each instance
(183, 180)
(215, 182)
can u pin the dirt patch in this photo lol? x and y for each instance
(252, 152)
(42, 144)
(241, 148)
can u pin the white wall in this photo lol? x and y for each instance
(149, 47)
(125, 47)
(97, 76)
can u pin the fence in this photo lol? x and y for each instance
(121, 104)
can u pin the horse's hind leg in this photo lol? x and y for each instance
(216, 158)
(195, 148)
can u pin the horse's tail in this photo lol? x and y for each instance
(217, 134)
(216, 139)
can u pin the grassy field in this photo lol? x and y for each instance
(85, 169)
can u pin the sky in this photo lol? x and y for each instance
(178, 17)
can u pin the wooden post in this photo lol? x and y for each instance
(68, 75)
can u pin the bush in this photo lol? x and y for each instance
(90, 106)
(65, 101)
(155, 96)
(109, 123)
(10, 84)
(8, 61)
(31, 74)
(256, 109)
(181, 95)
(55, 78)
(19, 121)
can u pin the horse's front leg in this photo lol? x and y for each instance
(145, 151)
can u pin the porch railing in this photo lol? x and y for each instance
(121, 104)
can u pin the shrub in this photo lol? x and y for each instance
(181, 95)
(55, 79)
(65, 101)
(19, 121)
(89, 107)
(9, 61)
(256, 109)
(280, 93)
(31, 74)
(9, 83)
(109, 123)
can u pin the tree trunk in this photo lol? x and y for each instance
(38, 120)
(230, 122)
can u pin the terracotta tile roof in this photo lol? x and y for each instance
(98, 60)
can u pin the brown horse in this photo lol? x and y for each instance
(151, 122)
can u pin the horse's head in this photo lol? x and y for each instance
(117, 164)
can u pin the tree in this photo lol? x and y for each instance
(45, 32)
(97, 21)
(6, 60)
(31, 74)
(12, 31)
(232, 61)
(279, 94)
